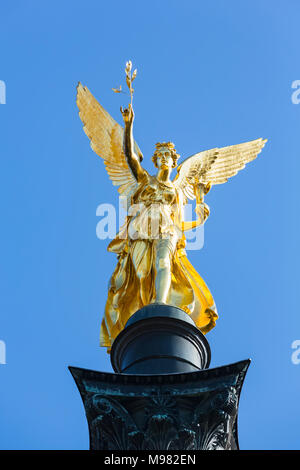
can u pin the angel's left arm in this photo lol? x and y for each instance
(202, 210)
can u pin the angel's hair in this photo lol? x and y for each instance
(172, 149)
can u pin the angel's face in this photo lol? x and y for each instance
(164, 159)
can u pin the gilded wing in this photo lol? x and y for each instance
(106, 137)
(215, 166)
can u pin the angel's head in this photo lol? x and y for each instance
(165, 155)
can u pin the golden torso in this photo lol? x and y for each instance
(154, 205)
(155, 191)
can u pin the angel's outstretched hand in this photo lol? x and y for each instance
(207, 188)
(128, 114)
(203, 211)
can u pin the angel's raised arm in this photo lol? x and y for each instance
(107, 140)
(133, 160)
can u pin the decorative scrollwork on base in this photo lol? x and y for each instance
(193, 411)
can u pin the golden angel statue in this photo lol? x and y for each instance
(152, 263)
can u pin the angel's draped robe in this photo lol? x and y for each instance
(135, 246)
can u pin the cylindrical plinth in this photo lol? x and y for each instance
(160, 339)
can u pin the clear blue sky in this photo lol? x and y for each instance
(209, 74)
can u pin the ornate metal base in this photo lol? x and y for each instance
(162, 396)
(189, 411)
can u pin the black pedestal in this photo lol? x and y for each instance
(160, 339)
(162, 396)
